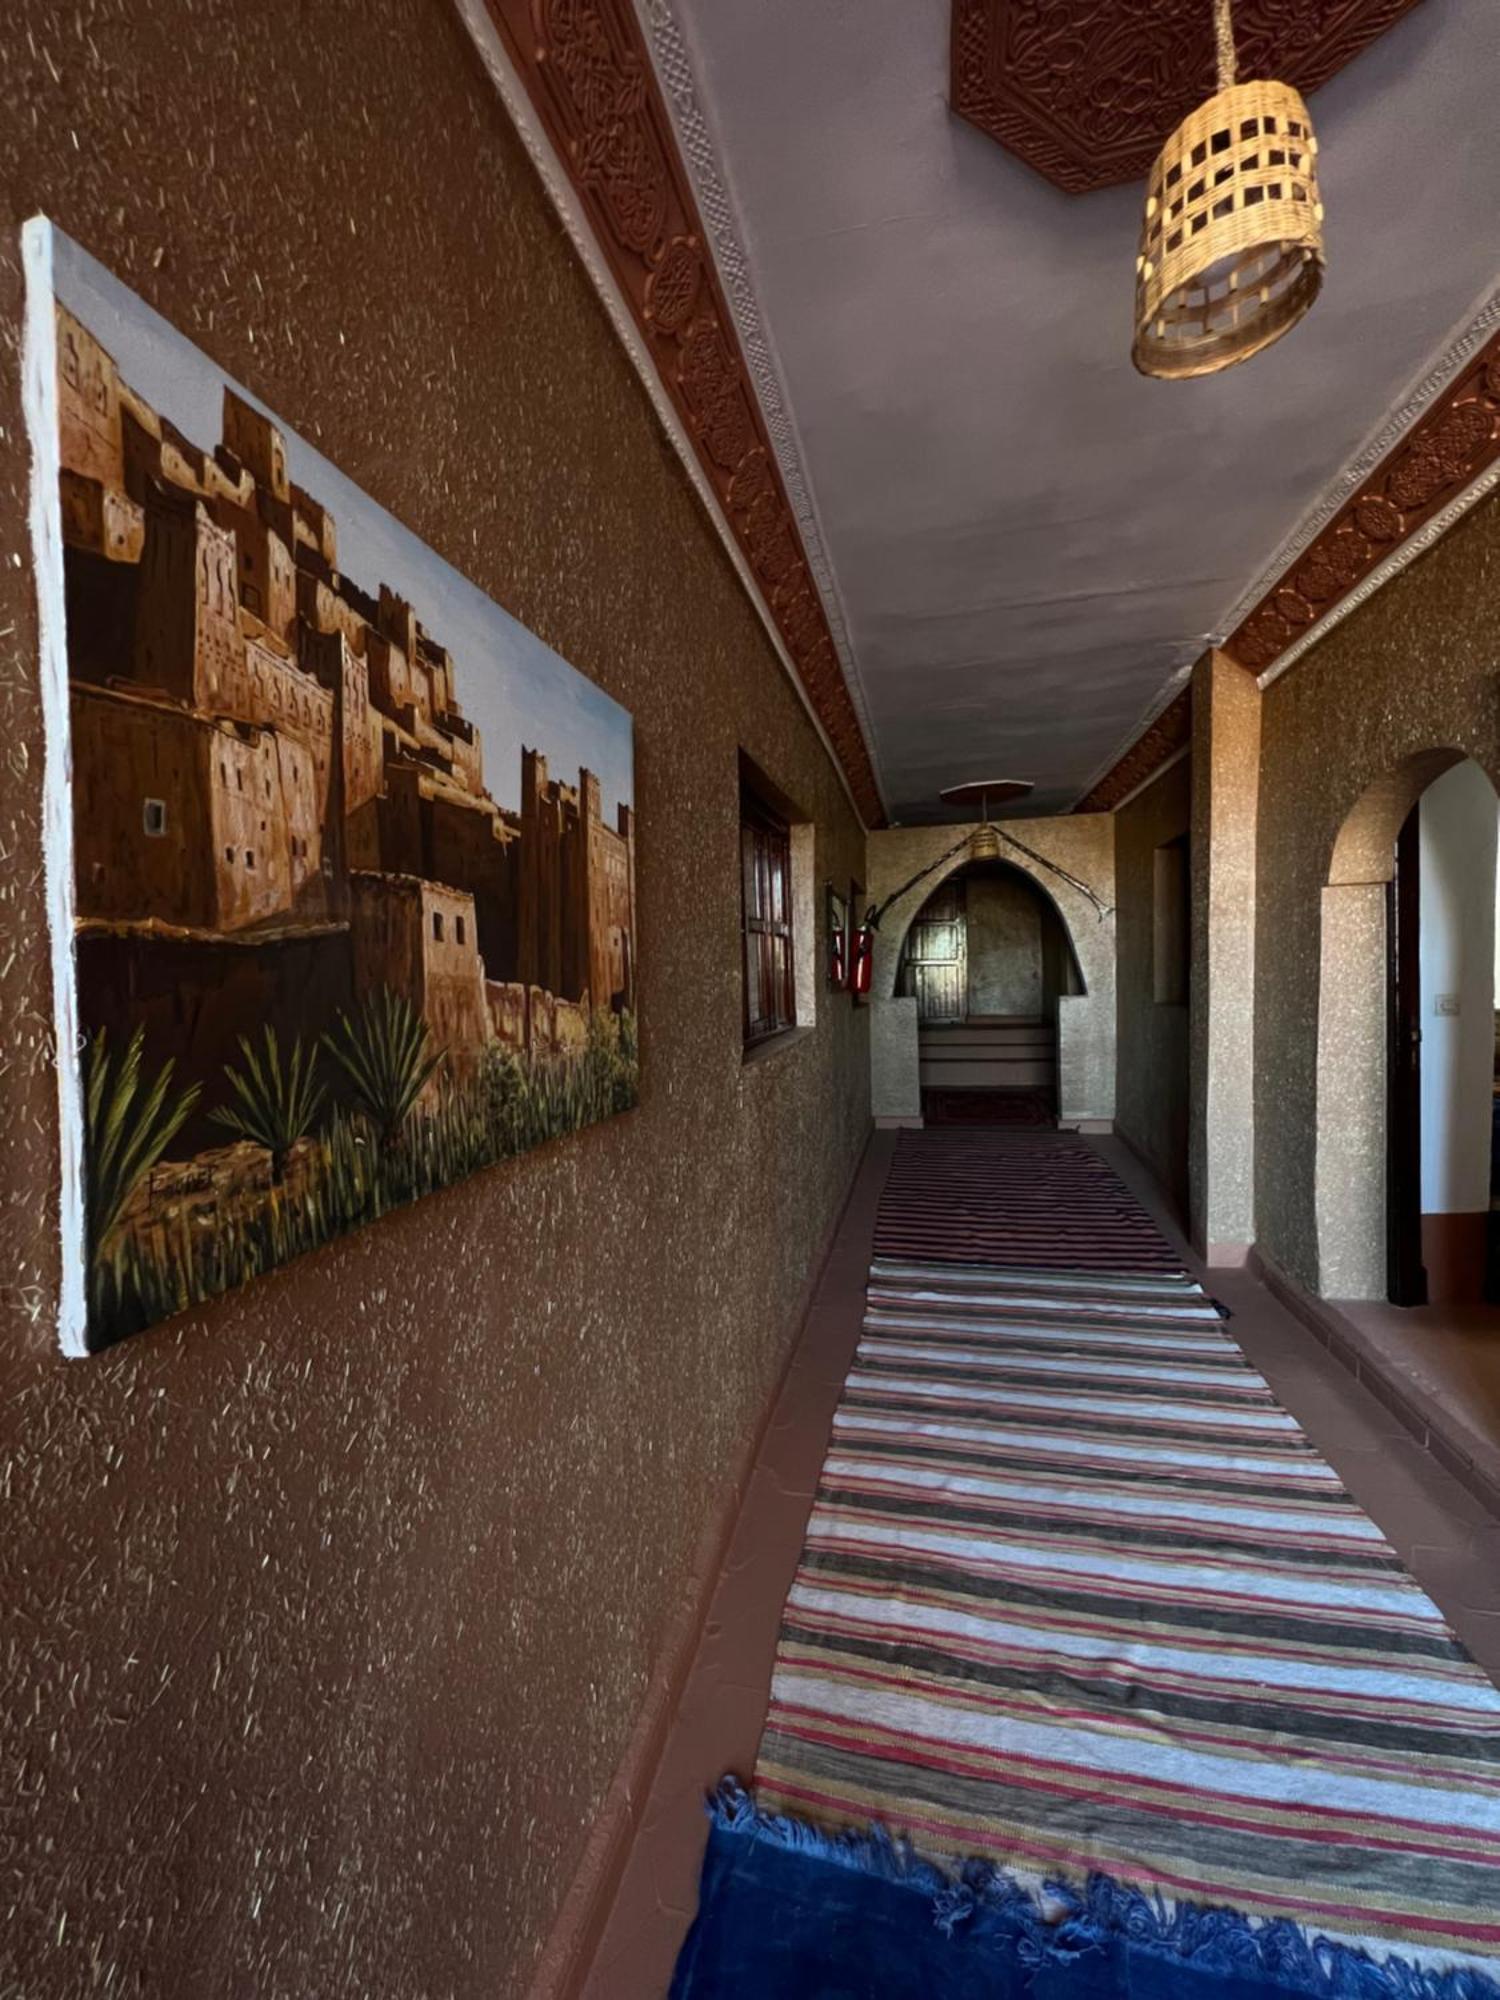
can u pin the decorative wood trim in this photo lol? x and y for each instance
(1414, 487)
(588, 75)
(1392, 430)
(674, 71)
(1086, 98)
(1163, 739)
(560, 191)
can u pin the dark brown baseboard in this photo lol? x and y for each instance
(1412, 1405)
(1167, 1195)
(584, 1912)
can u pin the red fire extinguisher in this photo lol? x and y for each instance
(864, 959)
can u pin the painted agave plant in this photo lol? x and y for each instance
(274, 1102)
(385, 1058)
(130, 1121)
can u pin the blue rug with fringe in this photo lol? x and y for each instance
(788, 1912)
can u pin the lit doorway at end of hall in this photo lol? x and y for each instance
(1444, 1165)
(1404, 1143)
(987, 960)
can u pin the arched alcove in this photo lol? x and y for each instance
(1352, 1186)
(1011, 940)
(1081, 845)
(988, 960)
(1365, 846)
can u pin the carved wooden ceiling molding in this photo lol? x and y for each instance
(1418, 488)
(590, 83)
(1436, 455)
(1085, 91)
(1161, 740)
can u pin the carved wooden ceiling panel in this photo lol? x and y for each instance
(1085, 91)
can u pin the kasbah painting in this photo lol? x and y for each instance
(353, 853)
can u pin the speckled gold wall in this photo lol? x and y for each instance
(1151, 1083)
(327, 1612)
(1416, 667)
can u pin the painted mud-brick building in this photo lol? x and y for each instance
(419, 939)
(145, 771)
(357, 774)
(609, 889)
(265, 748)
(576, 896)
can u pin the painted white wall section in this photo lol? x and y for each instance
(1458, 845)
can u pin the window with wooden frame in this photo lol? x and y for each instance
(766, 920)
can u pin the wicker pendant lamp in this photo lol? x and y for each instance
(1232, 242)
(984, 841)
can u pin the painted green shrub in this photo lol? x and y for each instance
(273, 1103)
(372, 1137)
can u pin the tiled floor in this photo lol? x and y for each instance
(1445, 1534)
(1446, 1358)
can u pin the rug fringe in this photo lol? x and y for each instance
(1062, 1921)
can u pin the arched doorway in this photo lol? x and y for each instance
(988, 959)
(1406, 1038)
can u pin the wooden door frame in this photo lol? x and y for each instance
(1406, 1274)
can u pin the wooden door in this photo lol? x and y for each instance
(936, 970)
(1406, 1275)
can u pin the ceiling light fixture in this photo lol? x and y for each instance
(987, 842)
(984, 842)
(1232, 242)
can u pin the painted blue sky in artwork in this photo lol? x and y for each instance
(512, 687)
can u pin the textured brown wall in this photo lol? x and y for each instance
(1413, 669)
(1151, 1085)
(328, 1611)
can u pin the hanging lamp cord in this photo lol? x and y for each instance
(877, 911)
(1102, 909)
(1224, 38)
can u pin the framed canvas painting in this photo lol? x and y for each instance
(341, 858)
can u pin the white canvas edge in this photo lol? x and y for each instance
(40, 408)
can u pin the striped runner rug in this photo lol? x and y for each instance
(1017, 1108)
(1078, 1596)
(1013, 1197)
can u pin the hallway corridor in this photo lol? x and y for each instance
(750, 951)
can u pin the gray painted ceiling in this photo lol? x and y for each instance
(1029, 540)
